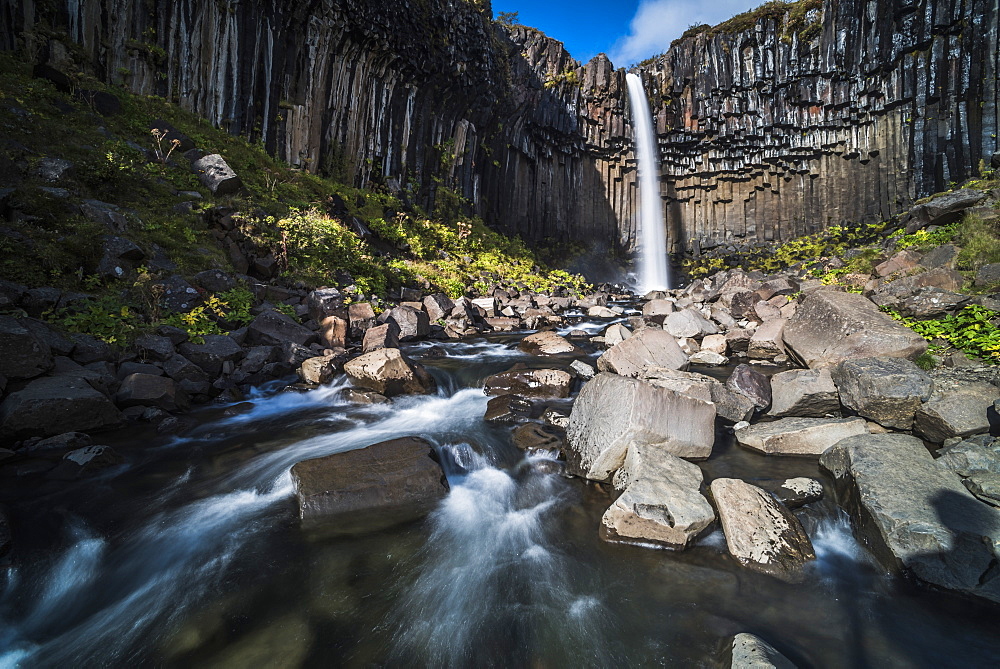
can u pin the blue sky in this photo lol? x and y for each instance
(627, 30)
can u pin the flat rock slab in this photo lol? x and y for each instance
(535, 383)
(752, 652)
(810, 393)
(661, 501)
(916, 514)
(799, 436)
(22, 354)
(960, 413)
(370, 488)
(646, 348)
(612, 412)
(760, 532)
(829, 327)
(547, 343)
(887, 390)
(54, 405)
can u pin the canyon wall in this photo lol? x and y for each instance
(778, 125)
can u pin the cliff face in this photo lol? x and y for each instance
(782, 127)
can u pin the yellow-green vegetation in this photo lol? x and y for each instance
(314, 226)
(971, 330)
(832, 242)
(794, 17)
(568, 77)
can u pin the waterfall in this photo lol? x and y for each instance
(654, 271)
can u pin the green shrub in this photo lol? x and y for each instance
(971, 330)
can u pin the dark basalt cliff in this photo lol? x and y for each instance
(845, 113)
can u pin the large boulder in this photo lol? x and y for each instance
(767, 342)
(943, 209)
(804, 392)
(360, 316)
(321, 369)
(388, 372)
(546, 343)
(151, 390)
(916, 514)
(413, 324)
(438, 306)
(751, 384)
(799, 436)
(271, 328)
(325, 302)
(730, 406)
(381, 336)
(958, 413)
(646, 348)
(660, 502)
(760, 532)
(54, 405)
(888, 391)
(370, 488)
(752, 652)
(612, 412)
(829, 327)
(22, 354)
(535, 383)
(689, 323)
(212, 353)
(216, 175)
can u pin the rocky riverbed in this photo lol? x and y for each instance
(413, 497)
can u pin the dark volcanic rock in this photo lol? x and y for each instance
(54, 405)
(215, 174)
(370, 488)
(541, 383)
(150, 390)
(210, 356)
(886, 390)
(22, 354)
(271, 328)
(748, 382)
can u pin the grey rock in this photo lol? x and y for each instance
(916, 514)
(57, 343)
(216, 175)
(360, 316)
(829, 327)
(178, 295)
(438, 306)
(85, 461)
(959, 413)
(988, 275)
(381, 336)
(760, 532)
(943, 209)
(969, 456)
(272, 328)
(150, 390)
(748, 382)
(54, 405)
(533, 437)
(613, 411)
(363, 397)
(390, 373)
(154, 347)
(507, 409)
(767, 342)
(689, 323)
(547, 343)
(582, 369)
(799, 436)
(660, 501)
(888, 391)
(370, 488)
(176, 335)
(985, 486)
(321, 369)
(180, 368)
(412, 324)
(795, 492)
(127, 368)
(931, 302)
(214, 281)
(105, 214)
(210, 355)
(804, 392)
(88, 349)
(22, 354)
(119, 257)
(534, 383)
(944, 255)
(646, 348)
(52, 169)
(325, 302)
(752, 652)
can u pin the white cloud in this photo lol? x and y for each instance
(658, 22)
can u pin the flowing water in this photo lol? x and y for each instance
(190, 555)
(654, 268)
